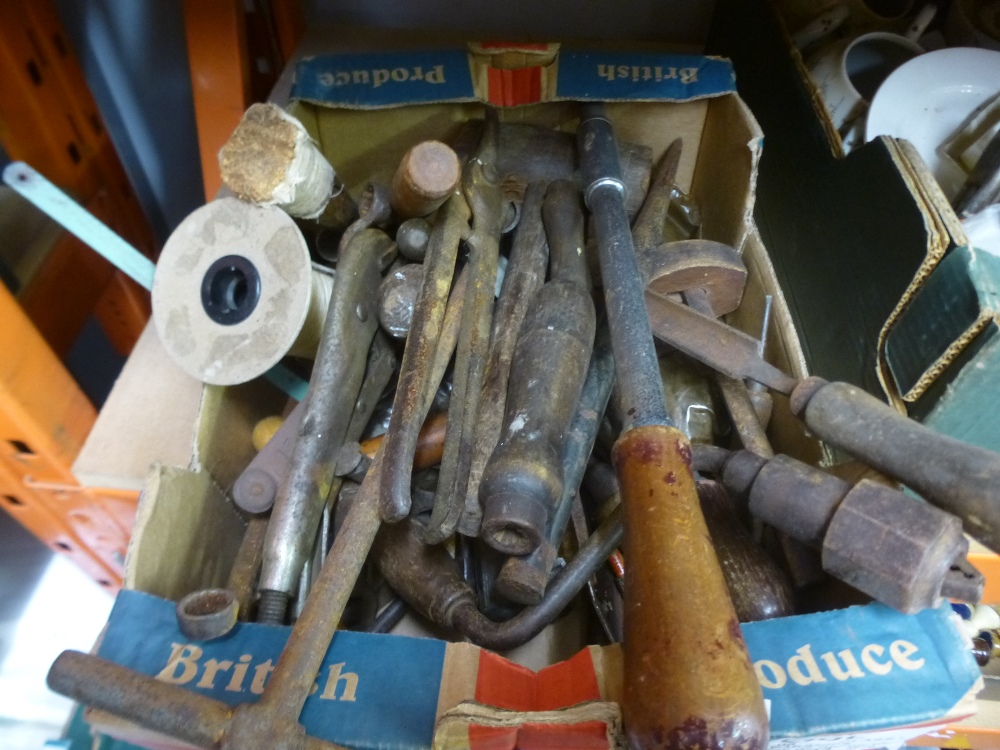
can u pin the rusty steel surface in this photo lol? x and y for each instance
(412, 238)
(299, 663)
(639, 384)
(243, 575)
(411, 403)
(523, 579)
(522, 482)
(713, 343)
(333, 392)
(481, 186)
(647, 229)
(207, 614)
(744, 415)
(397, 296)
(524, 277)
(428, 579)
(372, 211)
(537, 154)
(430, 442)
(156, 705)
(960, 478)
(523, 479)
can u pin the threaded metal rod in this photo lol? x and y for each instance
(272, 608)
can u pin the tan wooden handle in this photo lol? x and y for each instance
(689, 681)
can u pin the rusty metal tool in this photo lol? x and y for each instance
(211, 613)
(396, 297)
(688, 678)
(960, 478)
(271, 722)
(540, 154)
(373, 211)
(710, 276)
(481, 186)
(524, 579)
(412, 238)
(897, 549)
(333, 392)
(427, 174)
(255, 489)
(525, 276)
(414, 390)
(522, 481)
(427, 577)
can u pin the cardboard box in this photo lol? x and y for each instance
(187, 531)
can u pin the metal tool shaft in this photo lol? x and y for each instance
(637, 371)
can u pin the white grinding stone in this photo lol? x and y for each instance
(229, 354)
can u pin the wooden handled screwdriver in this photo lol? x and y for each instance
(688, 678)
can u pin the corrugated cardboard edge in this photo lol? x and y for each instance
(928, 197)
(459, 675)
(452, 729)
(944, 361)
(822, 113)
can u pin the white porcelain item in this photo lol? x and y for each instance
(927, 100)
(983, 230)
(849, 72)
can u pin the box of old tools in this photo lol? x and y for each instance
(847, 677)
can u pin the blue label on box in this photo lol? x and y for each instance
(642, 76)
(373, 691)
(853, 669)
(848, 670)
(384, 78)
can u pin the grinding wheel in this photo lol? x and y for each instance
(676, 267)
(234, 292)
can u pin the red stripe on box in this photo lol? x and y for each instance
(587, 735)
(567, 683)
(504, 684)
(509, 88)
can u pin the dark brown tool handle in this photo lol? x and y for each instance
(957, 477)
(522, 480)
(688, 678)
(759, 589)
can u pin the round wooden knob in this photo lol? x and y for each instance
(427, 175)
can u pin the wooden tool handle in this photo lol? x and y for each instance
(957, 477)
(688, 679)
(427, 175)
